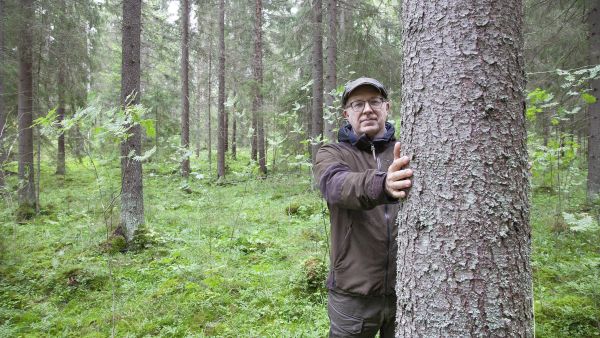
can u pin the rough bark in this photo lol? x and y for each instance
(185, 86)
(2, 108)
(132, 197)
(257, 114)
(593, 179)
(60, 155)
(26, 191)
(221, 103)
(464, 236)
(317, 76)
(331, 79)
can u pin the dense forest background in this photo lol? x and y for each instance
(228, 236)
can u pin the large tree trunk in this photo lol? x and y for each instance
(331, 79)
(132, 196)
(3, 154)
(257, 114)
(221, 103)
(60, 156)
(593, 186)
(317, 75)
(27, 197)
(185, 86)
(464, 240)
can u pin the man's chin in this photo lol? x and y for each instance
(369, 131)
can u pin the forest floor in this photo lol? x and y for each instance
(241, 258)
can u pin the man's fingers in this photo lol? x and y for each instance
(399, 163)
(397, 150)
(400, 174)
(399, 185)
(398, 194)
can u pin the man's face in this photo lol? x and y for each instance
(371, 121)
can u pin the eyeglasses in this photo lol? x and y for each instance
(359, 105)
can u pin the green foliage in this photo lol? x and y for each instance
(217, 260)
(566, 268)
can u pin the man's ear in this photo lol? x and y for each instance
(345, 112)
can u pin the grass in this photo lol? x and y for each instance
(223, 259)
(242, 257)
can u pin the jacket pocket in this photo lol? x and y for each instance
(341, 259)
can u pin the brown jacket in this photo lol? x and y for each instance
(351, 175)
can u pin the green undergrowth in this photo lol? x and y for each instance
(240, 257)
(223, 258)
(566, 266)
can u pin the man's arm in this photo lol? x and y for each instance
(357, 190)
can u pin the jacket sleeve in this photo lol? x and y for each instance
(345, 188)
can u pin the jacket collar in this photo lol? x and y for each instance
(346, 134)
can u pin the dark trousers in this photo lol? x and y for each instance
(356, 316)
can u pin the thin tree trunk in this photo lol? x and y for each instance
(317, 75)
(234, 133)
(185, 87)
(209, 104)
(593, 179)
(198, 115)
(257, 113)
(3, 154)
(132, 197)
(60, 156)
(331, 79)
(262, 154)
(226, 129)
(254, 145)
(27, 200)
(221, 103)
(464, 240)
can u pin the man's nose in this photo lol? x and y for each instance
(368, 109)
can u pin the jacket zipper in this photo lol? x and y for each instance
(387, 223)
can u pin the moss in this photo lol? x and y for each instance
(114, 244)
(144, 238)
(25, 212)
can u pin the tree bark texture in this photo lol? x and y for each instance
(464, 239)
(26, 189)
(61, 85)
(593, 186)
(331, 79)
(257, 114)
(3, 151)
(221, 103)
(317, 75)
(132, 196)
(185, 86)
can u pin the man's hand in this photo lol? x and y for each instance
(397, 178)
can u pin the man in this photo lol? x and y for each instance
(362, 178)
